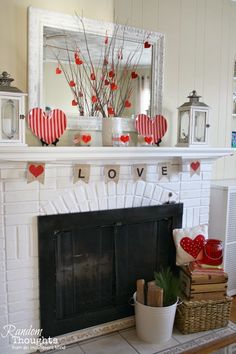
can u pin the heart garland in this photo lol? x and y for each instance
(36, 170)
(47, 127)
(193, 246)
(155, 127)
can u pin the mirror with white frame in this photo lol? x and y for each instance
(51, 39)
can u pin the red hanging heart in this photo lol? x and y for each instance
(48, 127)
(86, 138)
(36, 170)
(106, 40)
(94, 99)
(114, 87)
(148, 139)
(74, 103)
(81, 94)
(78, 61)
(127, 104)
(110, 111)
(106, 82)
(195, 165)
(105, 61)
(58, 71)
(111, 74)
(72, 83)
(92, 77)
(193, 246)
(134, 75)
(124, 138)
(147, 44)
(155, 127)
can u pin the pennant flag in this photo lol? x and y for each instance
(35, 172)
(81, 173)
(139, 172)
(195, 167)
(164, 170)
(112, 173)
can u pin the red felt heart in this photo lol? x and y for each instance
(92, 76)
(127, 104)
(94, 99)
(111, 74)
(148, 139)
(48, 127)
(36, 170)
(86, 138)
(58, 71)
(193, 246)
(74, 103)
(114, 87)
(134, 75)
(147, 44)
(155, 127)
(72, 83)
(195, 165)
(110, 111)
(124, 138)
(106, 82)
(78, 61)
(105, 61)
(81, 94)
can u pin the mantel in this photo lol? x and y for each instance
(108, 154)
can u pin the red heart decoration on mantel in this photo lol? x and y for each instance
(48, 127)
(195, 165)
(86, 138)
(156, 127)
(124, 138)
(36, 170)
(193, 246)
(148, 139)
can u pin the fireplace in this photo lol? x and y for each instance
(89, 262)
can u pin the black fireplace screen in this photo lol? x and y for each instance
(89, 262)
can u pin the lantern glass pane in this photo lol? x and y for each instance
(184, 127)
(10, 119)
(199, 134)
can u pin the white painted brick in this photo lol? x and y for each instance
(206, 167)
(189, 217)
(137, 201)
(71, 202)
(23, 306)
(140, 186)
(90, 191)
(30, 294)
(2, 264)
(185, 177)
(96, 171)
(111, 188)
(102, 203)
(60, 206)
(20, 196)
(23, 315)
(2, 278)
(184, 219)
(84, 205)
(125, 170)
(64, 182)
(152, 169)
(48, 195)
(11, 242)
(175, 178)
(101, 189)
(206, 184)
(146, 201)
(154, 202)
(196, 216)
(205, 193)
(13, 174)
(50, 183)
(23, 241)
(33, 239)
(2, 235)
(93, 204)
(152, 178)
(80, 193)
(157, 193)
(50, 172)
(26, 273)
(187, 194)
(190, 185)
(206, 175)
(21, 285)
(111, 202)
(22, 208)
(205, 201)
(64, 172)
(204, 219)
(130, 188)
(129, 201)
(149, 190)
(120, 202)
(170, 186)
(3, 294)
(2, 244)
(191, 202)
(121, 188)
(22, 263)
(204, 210)
(49, 209)
(20, 186)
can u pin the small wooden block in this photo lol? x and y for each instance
(154, 295)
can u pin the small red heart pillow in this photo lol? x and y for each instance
(190, 243)
(47, 127)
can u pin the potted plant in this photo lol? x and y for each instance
(154, 324)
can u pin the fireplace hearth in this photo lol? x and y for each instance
(89, 262)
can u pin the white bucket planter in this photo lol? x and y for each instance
(154, 324)
(110, 126)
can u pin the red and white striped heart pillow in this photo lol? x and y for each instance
(156, 127)
(47, 127)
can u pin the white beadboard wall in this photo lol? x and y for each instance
(200, 47)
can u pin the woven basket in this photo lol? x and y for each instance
(197, 316)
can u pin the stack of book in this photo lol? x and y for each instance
(203, 282)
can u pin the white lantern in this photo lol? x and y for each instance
(12, 110)
(193, 122)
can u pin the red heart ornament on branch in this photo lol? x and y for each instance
(156, 127)
(47, 127)
(195, 165)
(36, 170)
(193, 246)
(147, 44)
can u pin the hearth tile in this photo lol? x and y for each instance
(114, 344)
(75, 349)
(183, 338)
(143, 347)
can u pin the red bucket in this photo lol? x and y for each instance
(213, 252)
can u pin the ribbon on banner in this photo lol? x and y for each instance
(112, 173)
(81, 173)
(35, 172)
(195, 168)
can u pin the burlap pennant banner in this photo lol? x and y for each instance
(81, 173)
(195, 168)
(139, 172)
(164, 170)
(35, 172)
(112, 173)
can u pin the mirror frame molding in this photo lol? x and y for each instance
(38, 18)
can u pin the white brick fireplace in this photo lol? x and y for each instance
(21, 203)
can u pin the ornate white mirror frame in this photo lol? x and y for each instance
(38, 18)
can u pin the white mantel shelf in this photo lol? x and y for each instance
(107, 154)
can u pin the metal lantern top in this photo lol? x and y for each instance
(194, 101)
(5, 83)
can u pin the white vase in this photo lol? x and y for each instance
(110, 127)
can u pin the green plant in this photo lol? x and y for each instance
(170, 284)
